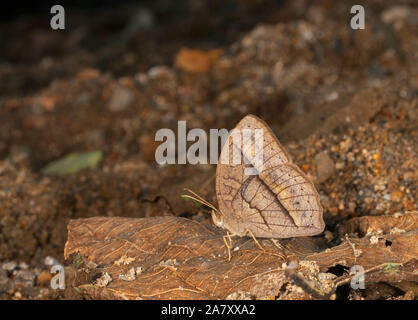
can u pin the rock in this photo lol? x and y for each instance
(328, 235)
(24, 278)
(50, 261)
(352, 206)
(332, 96)
(325, 167)
(120, 99)
(44, 279)
(395, 13)
(159, 72)
(396, 196)
(340, 165)
(88, 74)
(46, 102)
(345, 145)
(193, 60)
(9, 266)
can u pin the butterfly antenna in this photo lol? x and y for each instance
(202, 200)
(198, 199)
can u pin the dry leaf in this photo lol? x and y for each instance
(381, 224)
(178, 258)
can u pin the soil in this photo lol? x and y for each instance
(343, 102)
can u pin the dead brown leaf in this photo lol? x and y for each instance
(381, 224)
(176, 258)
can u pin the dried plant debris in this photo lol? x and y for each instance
(396, 223)
(179, 258)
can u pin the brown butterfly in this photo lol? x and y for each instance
(279, 201)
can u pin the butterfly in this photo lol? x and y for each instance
(276, 200)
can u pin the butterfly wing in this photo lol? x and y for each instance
(278, 202)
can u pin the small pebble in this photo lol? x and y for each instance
(120, 99)
(324, 166)
(396, 196)
(9, 266)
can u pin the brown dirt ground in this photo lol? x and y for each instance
(343, 102)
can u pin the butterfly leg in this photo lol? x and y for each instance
(229, 237)
(228, 245)
(279, 246)
(254, 238)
